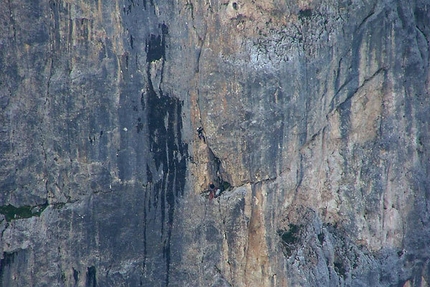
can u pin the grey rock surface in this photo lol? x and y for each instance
(315, 117)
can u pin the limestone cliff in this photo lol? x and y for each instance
(315, 118)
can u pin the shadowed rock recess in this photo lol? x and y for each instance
(315, 117)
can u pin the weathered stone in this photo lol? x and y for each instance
(315, 117)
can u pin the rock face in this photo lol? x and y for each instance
(315, 118)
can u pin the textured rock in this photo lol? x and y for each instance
(315, 116)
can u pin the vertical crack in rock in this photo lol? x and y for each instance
(12, 20)
(220, 177)
(91, 277)
(199, 52)
(367, 18)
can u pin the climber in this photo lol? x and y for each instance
(211, 191)
(200, 134)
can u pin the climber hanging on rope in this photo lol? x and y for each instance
(200, 134)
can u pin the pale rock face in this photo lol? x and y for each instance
(316, 123)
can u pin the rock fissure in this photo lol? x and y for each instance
(199, 53)
(367, 18)
(12, 20)
(355, 91)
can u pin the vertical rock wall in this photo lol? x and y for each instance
(316, 112)
(315, 117)
(93, 160)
